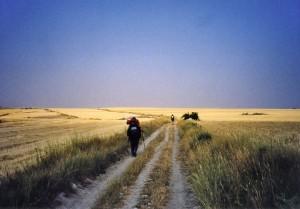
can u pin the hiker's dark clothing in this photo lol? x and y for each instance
(172, 118)
(134, 143)
(134, 135)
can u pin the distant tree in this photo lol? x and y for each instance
(194, 116)
(185, 116)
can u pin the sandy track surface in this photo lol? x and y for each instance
(135, 191)
(85, 197)
(181, 196)
(180, 193)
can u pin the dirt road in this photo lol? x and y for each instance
(86, 197)
(178, 195)
(181, 196)
(135, 191)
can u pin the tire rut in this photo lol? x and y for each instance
(135, 191)
(85, 197)
(181, 195)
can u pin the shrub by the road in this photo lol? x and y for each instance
(193, 115)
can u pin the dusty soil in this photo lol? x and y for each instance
(135, 191)
(85, 197)
(181, 196)
(180, 193)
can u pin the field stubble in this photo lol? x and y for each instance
(56, 165)
(23, 131)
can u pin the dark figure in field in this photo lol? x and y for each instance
(134, 133)
(172, 118)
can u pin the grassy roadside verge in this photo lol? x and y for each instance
(120, 187)
(59, 165)
(156, 191)
(236, 168)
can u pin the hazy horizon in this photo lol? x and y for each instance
(161, 107)
(125, 53)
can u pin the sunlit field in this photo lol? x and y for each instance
(215, 114)
(94, 138)
(22, 131)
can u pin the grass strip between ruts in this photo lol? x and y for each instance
(156, 191)
(120, 187)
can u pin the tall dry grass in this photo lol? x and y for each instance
(242, 169)
(59, 165)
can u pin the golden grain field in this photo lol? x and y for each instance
(23, 130)
(222, 114)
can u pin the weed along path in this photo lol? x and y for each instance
(135, 191)
(178, 193)
(85, 197)
(181, 196)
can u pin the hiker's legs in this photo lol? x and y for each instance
(132, 147)
(136, 146)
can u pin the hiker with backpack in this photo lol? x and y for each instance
(134, 133)
(172, 118)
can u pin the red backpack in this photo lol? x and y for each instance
(133, 121)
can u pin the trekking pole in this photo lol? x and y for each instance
(143, 137)
(129, 145)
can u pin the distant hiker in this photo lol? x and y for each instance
(172, 118)
(134, 133)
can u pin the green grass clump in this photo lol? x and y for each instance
(60, 165)
(204, 136)
(200, 137)
(243, 170)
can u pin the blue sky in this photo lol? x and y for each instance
(234, 53)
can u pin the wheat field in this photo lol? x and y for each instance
(24, 130)
(80, 142)
(221, 114)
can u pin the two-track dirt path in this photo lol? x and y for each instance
(85, 197)
(180, 195)
(135, 191)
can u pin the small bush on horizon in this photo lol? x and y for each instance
(255, 113)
